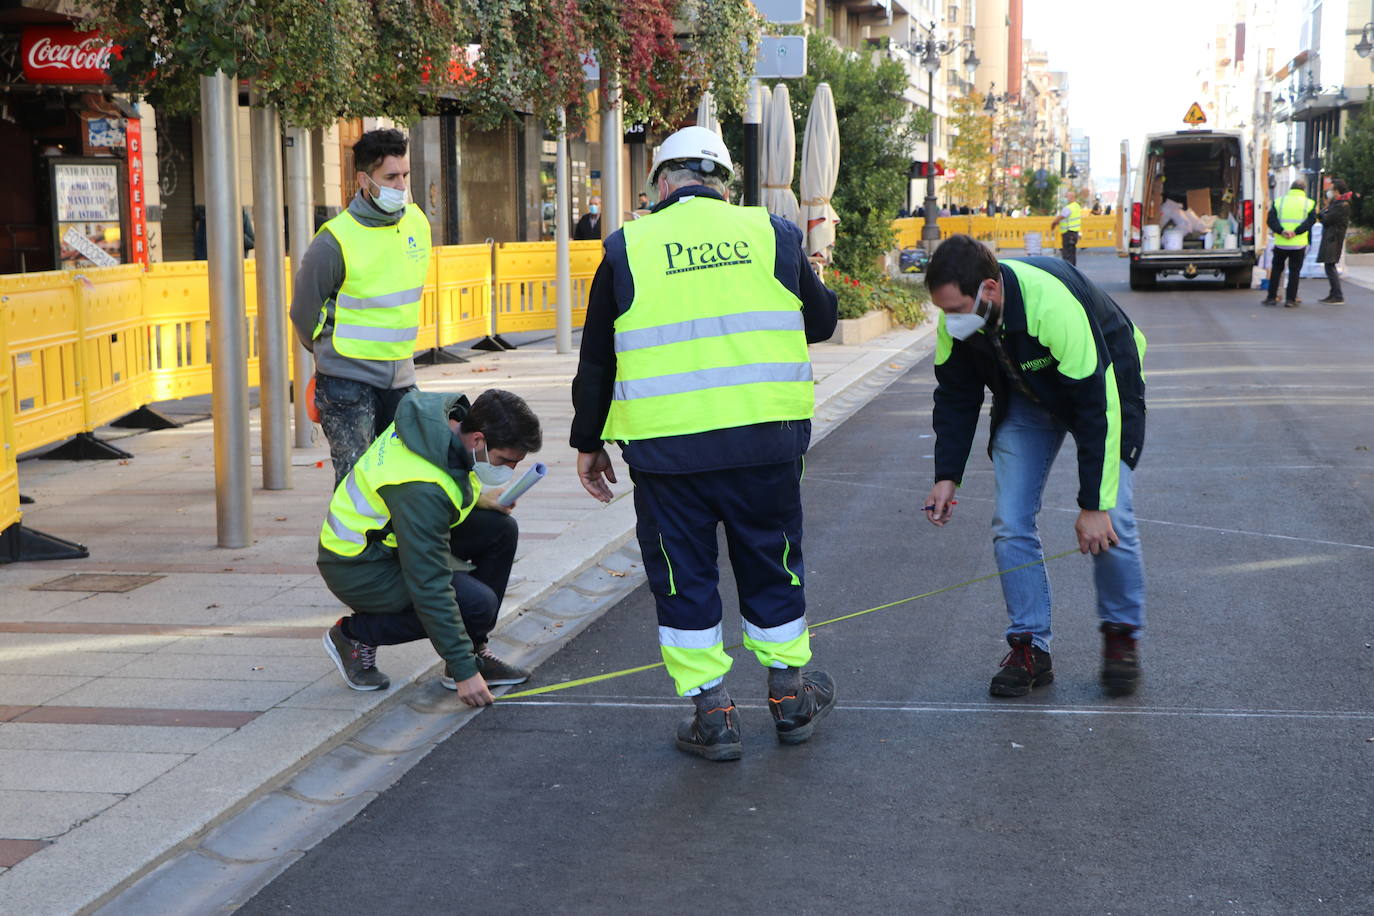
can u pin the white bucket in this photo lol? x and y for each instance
(1172, 239)
(1232, 240)
(1149, 238)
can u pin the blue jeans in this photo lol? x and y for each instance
(1023, 450)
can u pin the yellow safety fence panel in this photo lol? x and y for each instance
(1008, 231)
(42, 327)
(114, 349)
(526, 288)
(460, 285)
(9, 461)
(177, 309)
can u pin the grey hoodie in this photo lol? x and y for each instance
(418, 572)
(318, 281)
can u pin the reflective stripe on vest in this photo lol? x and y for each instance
(377, 309)
(1074, 221)
(357, 509)
(1293, 208)
(711, 340)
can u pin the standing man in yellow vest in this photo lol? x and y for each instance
(423, 495)
(694, 359)
(357, 300)
(1291, 217)
(1072, 219)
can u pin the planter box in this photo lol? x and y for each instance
(853, 331)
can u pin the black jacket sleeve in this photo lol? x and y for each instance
(595, 380)
(958, 400)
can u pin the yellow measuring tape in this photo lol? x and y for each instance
(611, 675)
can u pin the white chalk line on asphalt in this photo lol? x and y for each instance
(1139, 519)
(595, 702)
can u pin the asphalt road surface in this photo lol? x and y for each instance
(1238, 780)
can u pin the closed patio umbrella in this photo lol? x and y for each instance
(820, 168)
(706, 112)
(779, 158)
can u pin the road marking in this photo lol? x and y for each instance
(996, 708)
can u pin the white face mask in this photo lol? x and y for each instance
(963, 325)
(387, 199)
(490, 474)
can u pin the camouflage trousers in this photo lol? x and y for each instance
(353, 414)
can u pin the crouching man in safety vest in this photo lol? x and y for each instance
(356, 300)
(694, 359)
(418, 504)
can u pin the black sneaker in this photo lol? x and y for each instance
(1332, 300)
(795, 717)
(1026, 666)
(357, 662)
(1270, 302)
(498, 673)
(713, 734)
(1120, 666)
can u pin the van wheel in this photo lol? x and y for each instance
(1239, 278)
(1142, 279)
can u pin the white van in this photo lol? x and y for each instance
(1193, 209)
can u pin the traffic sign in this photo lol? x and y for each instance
(1195, 115)
(787, 12)
(781, 57)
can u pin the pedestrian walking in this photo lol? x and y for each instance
(1071, 218)
(1290, 218)
(356, 303)
(694, 360)
(589, 226)
(420, 502)
(1059, 357)
(1335, 220)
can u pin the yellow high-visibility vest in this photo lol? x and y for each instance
(712, 340)
(1074, 221)
(1293, 208)
(377, 309)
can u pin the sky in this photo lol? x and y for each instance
(1131, 66)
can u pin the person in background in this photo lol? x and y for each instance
(1335, 220)
(1072, 219)
(356, 302)
(589, 226)
(694, 358)
(1291, 217)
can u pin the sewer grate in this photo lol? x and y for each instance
(94, 582)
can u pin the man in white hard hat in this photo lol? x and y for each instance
(694, 360)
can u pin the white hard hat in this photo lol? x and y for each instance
(694, 148)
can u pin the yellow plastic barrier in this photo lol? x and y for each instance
(525, 284)
(460, 281)
(1007, 231)
(113, 361)
(43, 327)
(9, 461)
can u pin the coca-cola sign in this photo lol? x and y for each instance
(62, 55)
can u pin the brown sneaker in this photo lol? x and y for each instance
(1025, 667)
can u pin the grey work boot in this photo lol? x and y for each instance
(795, 717)
(356, 661)
(713, 734)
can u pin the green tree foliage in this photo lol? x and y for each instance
(1352, 158)
(970, 150)
(877, 131)
(1042, 201)
(320, 60)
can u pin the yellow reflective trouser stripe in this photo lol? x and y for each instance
(726, 376)
(693, 657)
(786, 551)
(672, 584)
(699, 328)
(786, 645)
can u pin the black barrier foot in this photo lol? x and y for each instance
(489, 343)
(436, 356)
(86, 447)
(146, 418)
(19, 544)
(505, 344)
(26, 500)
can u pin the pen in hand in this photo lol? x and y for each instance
(931, 507)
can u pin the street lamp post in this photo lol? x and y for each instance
(930, 49)
(990, 106)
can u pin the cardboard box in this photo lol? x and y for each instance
(1200, 201)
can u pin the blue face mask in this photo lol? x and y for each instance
(388, 199)
(491, 475)
(594, 209)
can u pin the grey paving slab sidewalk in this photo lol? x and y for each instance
(133, 723)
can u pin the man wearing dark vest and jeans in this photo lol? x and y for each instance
(694, 359)
(357, 297)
